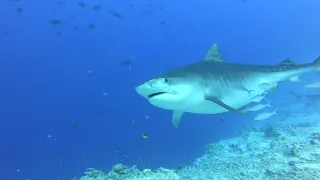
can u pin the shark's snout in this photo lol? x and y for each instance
(149, 90)
(144, 90)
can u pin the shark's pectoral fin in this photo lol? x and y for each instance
(222, 104)
(176, 117)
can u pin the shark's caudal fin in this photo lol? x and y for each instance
(214, 54)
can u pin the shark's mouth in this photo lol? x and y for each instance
(155, 94)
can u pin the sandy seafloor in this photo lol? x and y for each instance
(286, 147)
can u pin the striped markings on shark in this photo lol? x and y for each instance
(212, 86)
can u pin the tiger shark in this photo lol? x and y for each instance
(210, 85)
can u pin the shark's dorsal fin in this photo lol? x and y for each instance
(287, 62)
(214, 54)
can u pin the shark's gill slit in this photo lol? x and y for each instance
(155, 94)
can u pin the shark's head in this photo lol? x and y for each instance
(171, 91)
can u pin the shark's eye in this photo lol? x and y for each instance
(166, 80)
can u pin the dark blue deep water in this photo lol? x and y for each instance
(68, 71)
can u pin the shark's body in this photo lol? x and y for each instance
(209, 86)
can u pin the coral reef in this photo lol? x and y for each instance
(287, 152)
(261, 157)
(122, 172)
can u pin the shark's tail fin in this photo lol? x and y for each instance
(317, 63)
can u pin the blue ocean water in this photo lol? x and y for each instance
(67, 86)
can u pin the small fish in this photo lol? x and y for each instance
(91, 26)
(265, 115)
(81, 4)
(144, 136)
(273, 89)
(116, 14)
(75, 126)
(243, 128)
(266, 86)
(256, 107)
(19, 10)
(55, 21)
(242, 88)
(126, 62)
(258, 98)
(313, 85)
(147, 12)
(96, 7)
